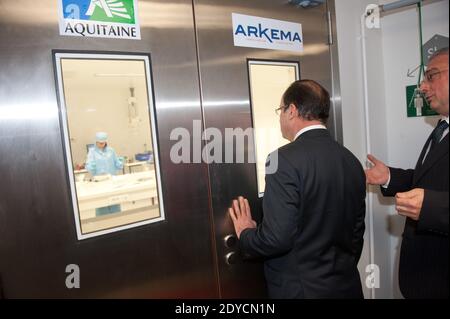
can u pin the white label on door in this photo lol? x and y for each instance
(263, 33)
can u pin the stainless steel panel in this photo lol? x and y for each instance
(336, 86)
(186, 256)
(225, 98)
(37, 231)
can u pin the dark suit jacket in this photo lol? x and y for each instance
(423, 270)
(313, 224)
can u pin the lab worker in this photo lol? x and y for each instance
(102, 160)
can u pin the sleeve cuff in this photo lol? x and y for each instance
(385, 186)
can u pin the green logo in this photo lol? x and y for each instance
(117, 11)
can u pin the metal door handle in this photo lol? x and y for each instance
(230, 241)
(231, 258)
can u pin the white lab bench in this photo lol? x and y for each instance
(143, 164)
(127, 167)
(131, 191)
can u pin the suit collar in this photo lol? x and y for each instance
(309, 128)
(433, 156)
(313, 133)
(423, 153)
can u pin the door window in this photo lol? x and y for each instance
(108, 121)
(268, 81)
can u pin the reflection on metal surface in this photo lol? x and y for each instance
(226, 103)
(192, 104)
(231, 258)
(176, 105)
(230, 241)
(310, 49)
(32, 111)
(161, 260)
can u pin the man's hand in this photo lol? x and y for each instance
(378, 174)
(241, 215)
(409, 204)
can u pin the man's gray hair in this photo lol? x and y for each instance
(438, 53)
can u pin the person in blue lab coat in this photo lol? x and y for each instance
(102, 160)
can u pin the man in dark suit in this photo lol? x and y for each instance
(422, 196)
(313, 207)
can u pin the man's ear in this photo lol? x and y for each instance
(293, 112)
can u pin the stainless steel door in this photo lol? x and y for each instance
(198, 76)
(225, 100)
(174, 258)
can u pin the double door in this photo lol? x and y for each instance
(200, 80)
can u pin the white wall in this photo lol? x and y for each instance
(394, 138)
(348, 14)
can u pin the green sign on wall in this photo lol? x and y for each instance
(411, 106)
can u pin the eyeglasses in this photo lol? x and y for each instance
(278, 110)
(433, 74)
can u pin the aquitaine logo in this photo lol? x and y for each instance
(99, 18)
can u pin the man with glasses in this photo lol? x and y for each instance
(313, 206)
(421, 195)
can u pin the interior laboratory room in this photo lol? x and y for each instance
(128, 127)
(112, 152)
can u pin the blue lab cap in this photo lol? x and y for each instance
(101, 137)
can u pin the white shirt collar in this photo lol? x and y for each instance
(312, 127)
(445, 119)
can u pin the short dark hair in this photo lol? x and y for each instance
(310, 98)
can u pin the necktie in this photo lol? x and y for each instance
(436, 136)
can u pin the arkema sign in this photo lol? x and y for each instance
(263, 33)
(99, 18)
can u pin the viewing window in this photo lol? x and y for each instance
(108, 121)
(268, 81)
